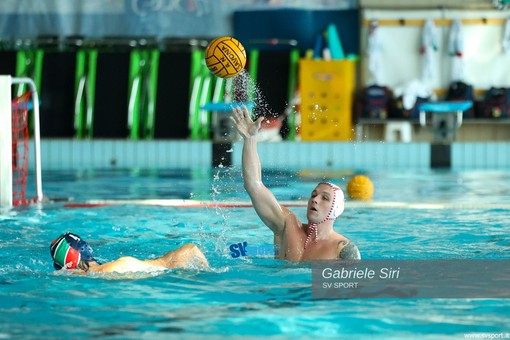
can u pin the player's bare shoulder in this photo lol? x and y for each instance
(348, 250)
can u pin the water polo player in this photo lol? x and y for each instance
(69, 251)
(295, 240)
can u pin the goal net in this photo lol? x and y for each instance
(15, 156)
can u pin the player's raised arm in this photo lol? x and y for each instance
(264, 202)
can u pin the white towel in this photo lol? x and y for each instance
(412, 90)
(428, 47)
(374, 53)
(506, 37)
(456, 50)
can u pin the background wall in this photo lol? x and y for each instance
(97, 18)
(485, 63)
(399, 34)
(64, 154)
(22, 22)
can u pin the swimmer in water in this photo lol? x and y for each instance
(296, 241)
(69, 251)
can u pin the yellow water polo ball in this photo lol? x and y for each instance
(360, 187)
(225, 57)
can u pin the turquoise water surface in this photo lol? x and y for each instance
(246, 296)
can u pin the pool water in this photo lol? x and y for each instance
(246, 296)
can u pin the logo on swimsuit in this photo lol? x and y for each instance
(241, 249)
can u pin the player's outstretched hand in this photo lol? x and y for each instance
(243, 122)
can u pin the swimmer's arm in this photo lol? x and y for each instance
(184, 256)
(264, 202)
(120, 265)
(348, 251)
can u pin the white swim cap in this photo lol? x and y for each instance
(337, 208)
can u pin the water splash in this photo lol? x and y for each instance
(246, 89)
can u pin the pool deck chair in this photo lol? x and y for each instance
(398, 131)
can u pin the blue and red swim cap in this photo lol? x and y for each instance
(68, 250)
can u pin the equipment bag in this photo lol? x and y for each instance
(496, 103)
(460, 91)
(375, 102)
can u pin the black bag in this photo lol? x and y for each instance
(496, 103)
(375, 102)
(460, 91)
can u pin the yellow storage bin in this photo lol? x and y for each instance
(327, 90)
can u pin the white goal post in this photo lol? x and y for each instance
(6, 146)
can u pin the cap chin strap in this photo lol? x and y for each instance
(313, 230)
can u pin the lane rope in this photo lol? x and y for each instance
(189, 203)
